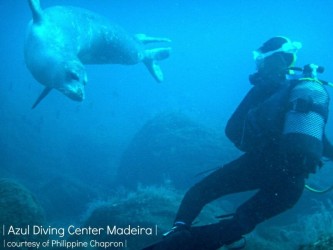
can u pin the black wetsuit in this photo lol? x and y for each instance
(276, 166)
(278, 190)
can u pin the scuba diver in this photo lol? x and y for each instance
(280, 127)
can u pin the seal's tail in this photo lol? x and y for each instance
(151, 58)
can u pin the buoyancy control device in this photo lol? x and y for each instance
(264, 115)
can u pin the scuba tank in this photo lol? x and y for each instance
(308, 111)
(311, 115)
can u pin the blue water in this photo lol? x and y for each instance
(205, 78)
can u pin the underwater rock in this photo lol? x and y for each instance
(65, 198)
(18, 209)
(324, 243)
(172, 148)
(148, 212)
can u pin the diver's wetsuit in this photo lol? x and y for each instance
(277, 169)
(278, 190)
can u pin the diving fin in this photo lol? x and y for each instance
(182, 240)
(45, 92)
(206, 237)
(152, 246)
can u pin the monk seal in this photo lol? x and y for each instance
(60, 40)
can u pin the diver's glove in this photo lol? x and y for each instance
(177, 227)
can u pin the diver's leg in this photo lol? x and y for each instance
(280, 193)
(236, 176)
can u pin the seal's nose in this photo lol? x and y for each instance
(79, 95)
(76, 93)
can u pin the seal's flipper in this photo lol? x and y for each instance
(153, 55)
(45, 92)
(149, 39)
(36, 10)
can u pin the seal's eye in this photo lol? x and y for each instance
(74, 76)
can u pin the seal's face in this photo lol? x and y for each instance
(72, 80)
